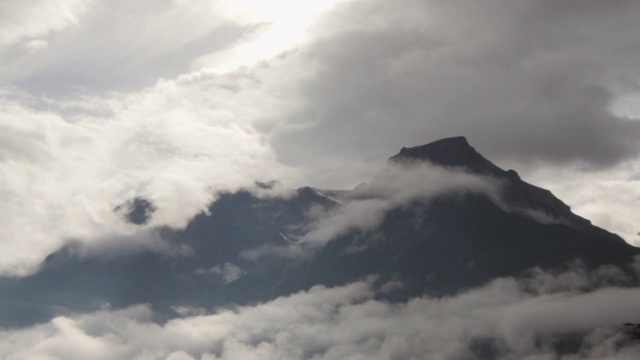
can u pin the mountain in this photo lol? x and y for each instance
(251, 248)
(463, 241)
(456, 152)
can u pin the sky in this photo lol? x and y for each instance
(172, 101)
(102, 102)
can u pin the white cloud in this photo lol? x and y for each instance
(67, 162)
(36, 19)
(365, 207)
(174, 144)
(512, 319)
(609, 199)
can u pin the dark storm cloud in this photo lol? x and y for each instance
(523, 80)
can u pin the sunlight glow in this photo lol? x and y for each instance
(282, 25)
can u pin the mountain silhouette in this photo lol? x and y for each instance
(436, 246)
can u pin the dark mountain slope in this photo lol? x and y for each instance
(456, 244)
(456, 152)
(440, 246)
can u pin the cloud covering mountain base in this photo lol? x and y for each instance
(543, 315)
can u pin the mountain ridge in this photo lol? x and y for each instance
(437, 246)
(457, 152)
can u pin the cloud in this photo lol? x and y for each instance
(72, 156)
(531, 81)
(508, 318)
(63, 172)
(528, 82)
(34, 20)
(536, 85)
(281, 26)
(93, 47)
(364, 208)
(609, 199)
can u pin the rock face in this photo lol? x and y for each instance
(518, 194)
(454, 151)
(438, 246)
(137, 211)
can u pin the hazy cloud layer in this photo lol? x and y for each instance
(365, 207)
(506, 319)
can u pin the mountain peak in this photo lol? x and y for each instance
(517, 194)
(453, 151)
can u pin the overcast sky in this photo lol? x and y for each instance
(103, 101)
